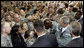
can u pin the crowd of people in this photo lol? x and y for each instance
(41, 23)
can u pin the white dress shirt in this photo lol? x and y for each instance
(41, 35)
(76, 37)
(63, 29)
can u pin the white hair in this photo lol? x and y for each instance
(5, 26)
(65, 19)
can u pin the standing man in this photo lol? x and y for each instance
(43, 39)
(63, 31)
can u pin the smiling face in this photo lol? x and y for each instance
(62, 24)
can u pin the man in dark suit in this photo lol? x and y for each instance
(77, 41)
(43, 40)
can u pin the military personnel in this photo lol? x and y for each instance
(68, 11)
(59, 14)
(17, 19)
(5, 38)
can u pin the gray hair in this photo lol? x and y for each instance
(75, 28)
(65, 19)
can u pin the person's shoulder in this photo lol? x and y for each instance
(75, 43)
(50, 36)
(2, 37)
(80, 39)
(77, 40)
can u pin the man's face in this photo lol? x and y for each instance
(70, 8)
(77, 15)
(8, 29)
(2, 12)
(16, 18)
(9, 18)
(22, 13)
(16, 9)
(11, 13)
(61, 23)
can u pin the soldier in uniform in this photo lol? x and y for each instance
(5, 37)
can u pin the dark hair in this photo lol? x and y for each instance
(5, 9)
(75, 9)
(27, 34)
(38, 25)
(48, 24)
(35, 11)
(70, 5)
(15, 29)
(78, 15)
(79, 12)
(66, 5)
(15, 38)
(60, 11)
(35, 35)
(23, 8)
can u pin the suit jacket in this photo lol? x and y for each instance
(78, 42)
(46, 41)
(63, 38)
(18, 41)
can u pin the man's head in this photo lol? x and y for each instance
(16, 10)
(70, 8)
(11, 13)
(48, 23)
(16, 17)
(78, 15)
(22, 12)
(5, 27)
(64, 21)
(39, 26)
(75, 28)
(2, 11)
(8, 18)
(60, 11)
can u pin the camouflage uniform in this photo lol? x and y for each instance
(6, 41)
(67, 13)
